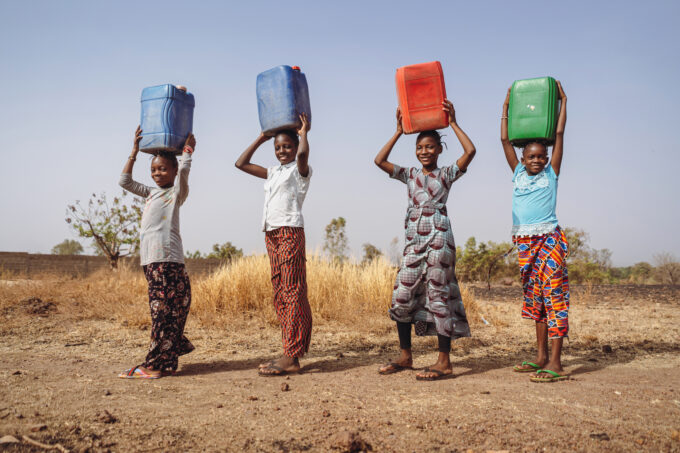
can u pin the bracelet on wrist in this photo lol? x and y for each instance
(188, 149)
(132, 158)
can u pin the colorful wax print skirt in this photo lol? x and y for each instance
(543, 268)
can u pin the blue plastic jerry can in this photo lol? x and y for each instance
(282, 95)
(167, 118)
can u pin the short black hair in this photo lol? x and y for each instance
(544, 143)
(433, 134)
(170, 157)
(290, 133)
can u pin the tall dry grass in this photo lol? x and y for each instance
(336, 291)
(349, 293)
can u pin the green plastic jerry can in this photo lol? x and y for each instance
(532, 113)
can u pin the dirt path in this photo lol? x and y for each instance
(59, 372)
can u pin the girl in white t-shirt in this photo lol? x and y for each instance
(283, 224)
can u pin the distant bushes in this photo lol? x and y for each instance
(491, 262)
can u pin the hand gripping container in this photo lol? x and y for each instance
(421, 91)
(282, 95)
(532, 112)
(167, 118)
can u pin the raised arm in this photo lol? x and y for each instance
(303, 148)
(469, 150)
(381, 159)
(129, 165)
(243, 162)
(558, 149)
(126, 181)
(185, 167)
(510, 154)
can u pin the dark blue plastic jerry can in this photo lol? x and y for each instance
(282, 95)
(167, 118)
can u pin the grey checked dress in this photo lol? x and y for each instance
(426, 291)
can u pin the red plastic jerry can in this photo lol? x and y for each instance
(421, 91)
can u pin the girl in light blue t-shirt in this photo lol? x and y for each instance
(542, 245)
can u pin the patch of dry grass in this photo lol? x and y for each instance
(102, 295)
(349, 293)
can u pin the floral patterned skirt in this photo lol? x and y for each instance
(169, 301)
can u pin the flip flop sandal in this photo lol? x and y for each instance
(393, 368)
(278, 371)
(137, 373)
(438, 375)
(554, 377)
(266, 365)
(519, 369)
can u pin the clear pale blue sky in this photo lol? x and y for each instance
(72, 73)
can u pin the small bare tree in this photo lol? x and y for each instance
(667, 268)
(114, 226)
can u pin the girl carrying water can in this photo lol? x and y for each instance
(541, 244)
(162, 258)
(426, 292)
(285, 190)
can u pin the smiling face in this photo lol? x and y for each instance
(285, 149)
(534, 158)
(163, 171)
(428, 151)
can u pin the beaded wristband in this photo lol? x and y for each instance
(188, 149)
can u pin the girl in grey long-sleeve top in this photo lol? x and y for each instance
(162, 258)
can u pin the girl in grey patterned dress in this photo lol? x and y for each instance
(426, 291)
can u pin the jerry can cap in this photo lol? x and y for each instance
(181, 88)
(296, 68)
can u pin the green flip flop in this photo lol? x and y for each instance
(554, 377)
(519, 369)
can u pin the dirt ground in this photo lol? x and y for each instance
(59, 384)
